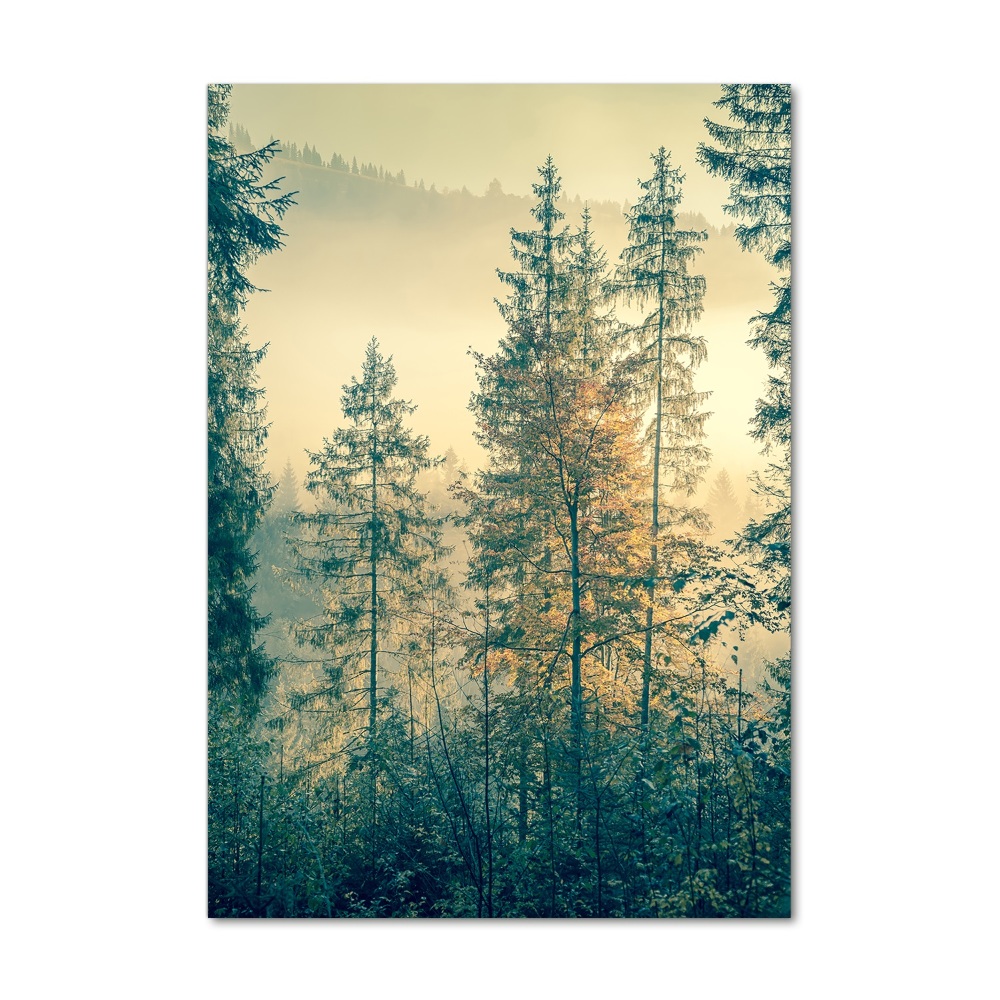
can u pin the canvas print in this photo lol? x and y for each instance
(499, 486)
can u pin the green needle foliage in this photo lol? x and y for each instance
(243, 224)
(371, 535)
(754, 152)
(564, 724)
(654, 273)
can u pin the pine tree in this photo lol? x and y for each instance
(654, 273)
(370, 534)
(596, 329)
(369, 543)
(723, 505)
(555, 516)
(754, 154)
(286, 497)
(538, 288)
(275, 593)
(244, 214)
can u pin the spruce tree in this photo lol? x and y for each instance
(554, 515)
(754, 153)
(276, 593)
(244, 214)
(655, 274)
(369, 544)
(539, 284)
(722, 504)
(286, 496)
(369, 536)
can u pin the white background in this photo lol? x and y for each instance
(103, 883)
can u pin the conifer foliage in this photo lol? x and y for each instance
(753, 152)
(557, 513)
(244, 215)
(556, 723)
(655, 273)
(722, 504)
(370, 535)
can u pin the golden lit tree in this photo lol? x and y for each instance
(558, 514)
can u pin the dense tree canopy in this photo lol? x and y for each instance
(521, 690)
(753, 151)
(243, 224)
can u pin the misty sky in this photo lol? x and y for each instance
(465, 135)
(425, 289)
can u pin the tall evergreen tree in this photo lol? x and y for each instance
(286, 497)
(555, 514)
(754, 153)
(369, 543)
(655, 274)
(539, 285)
(244, 214)
(370, 534)
(275, 594)
(722, 504)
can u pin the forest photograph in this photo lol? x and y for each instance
(499, 501)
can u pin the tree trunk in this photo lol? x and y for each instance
(576, 697)
(373, 652)
(522, 793)
(260, 841)
(486, 784)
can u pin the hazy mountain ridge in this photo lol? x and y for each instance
(417, 268)
(338, 196)
(334, 182)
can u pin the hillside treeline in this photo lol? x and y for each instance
(514, 691)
